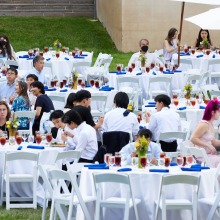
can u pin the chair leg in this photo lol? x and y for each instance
(7, 195)
(2, 189)
(164, 214)
(52, 209)
(126, 214)
(97, 210)
(44, 209)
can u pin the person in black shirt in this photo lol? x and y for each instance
(4, 115)
(43, 103)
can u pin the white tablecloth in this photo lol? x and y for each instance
(146, 187)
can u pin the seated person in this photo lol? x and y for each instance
(150, 57)
(29, 79)
(5, 114)
(203, 34)
(64, 134)
(70, 102)
(86, 135)
(6, 50)
(129, 150)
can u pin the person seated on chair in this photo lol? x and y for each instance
(70, 102)
(129, 150)
(43, 103)
(82, 106)
(6, 50)
(7, 91)
(38, 63)
(86, 135)
(150, 57)
(64, 134)
(29, 79)
(164, 120)
(5, 114)
(121, 119)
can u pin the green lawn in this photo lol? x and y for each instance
(29, 32)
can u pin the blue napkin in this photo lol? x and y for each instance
(48, 59)
(93, 165)
(120, 73)
(24, 56)
(150, 105)
(78, 57)
(159, 170)
(51, 89)
(105, 89)
(172, 164)
(198, 56)
(184, 54)
(213, 56)
(177, 71)
(35, 147)
(140, 127)
(199, 166)
(182, 108)
(88, 86)
(124, 169)
(113, 72)
(45, 87)
(63, 90)
(154, 73)
(19, 148)
(168, 72)
(201, 107)
(84, 55)
(31, 58)
(66, 58)
(194, 169)
(138, 74)
(99, 168)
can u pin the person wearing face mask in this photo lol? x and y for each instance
(6, 50)
(150, 57)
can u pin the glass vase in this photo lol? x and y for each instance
(11, 138)
(75, 83)
(187, 96)
(141, 153)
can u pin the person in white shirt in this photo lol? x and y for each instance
(150, 57)
(38, 63)
(154, 149)
(64, 134)
(86, 135)
(29, 79)
(121, 119)
(164, 120)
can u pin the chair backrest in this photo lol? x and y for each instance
(213, 62)
(10, 156)
(106, 62)
(58, 101)
(200, 154)
(11, 63)
(111, 178)
(174, 135)
(115, 140)
(48, 70)
(100, 58)
(130, 81)
(30, 115)
(186, 125)
(101, 101)
(214, 93)
(205, 77)
(193, 79)
(182, 114)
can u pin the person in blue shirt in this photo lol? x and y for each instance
(129, 150)
(7, 91)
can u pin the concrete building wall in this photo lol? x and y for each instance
(127, 21)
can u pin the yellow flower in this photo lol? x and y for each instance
(142, 143)
(142, 58)
(130, 108)
(137, 145)
(188, 88)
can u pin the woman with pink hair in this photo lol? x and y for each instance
(204, 134)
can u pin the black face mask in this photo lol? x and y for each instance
(144, 48)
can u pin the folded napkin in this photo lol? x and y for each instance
(78, 57)
(140, 127)
(213, 56)
(24, 56)
(199, 166)
(177, 71)
(88, 86)
(138, 74)
(63, 90)
(182, 108)
(66, 58)
(31, 58)
(84, 55)
(172, 164)
(168, 72)
(195, 169)
(35, 147)
(19, 148)
(51, 89)
(93, 165)
(159, 170)
(120, 73)
(48, 59)
(124, 169)
(113, 72)
(150, 105)
(198, 56)
(104, 89)
(201, 107)
(99, 168)
(184, 54)
(154, 73)
(45, 87)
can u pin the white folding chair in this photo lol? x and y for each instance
(168, 204)
(215, 93)
(58, 101)
(185, 64)
(194, 80)
(200, 155)
(8, 177)
(30, 115)
(58, 179)
(173, 134)
(157, 80)
(214, 75)
(101, 101)
(114, 202)
(81, 68)
(186, 125)
(11, 63)
(48, 70)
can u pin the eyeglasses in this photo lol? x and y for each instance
(10, 73)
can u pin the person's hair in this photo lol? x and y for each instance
(23, 90)
(8, 110)
(70, 99)
(13, 70)
(82, 94)
(213, 105)
(72, 116)
(170, 35)
(144, 132)
(56, 114)
(163, 98)
(37, 58)
(121, 100)
(199, 38)
(33, 76)
(144, 39)
(7, 48)
(39, 85)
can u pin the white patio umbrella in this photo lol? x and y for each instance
(207, 20)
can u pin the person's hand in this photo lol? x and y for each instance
(133, 154)
(63, 137)
(147, 116)
(100, 121)
(154, 161)
(67, 133)
(212, 149)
